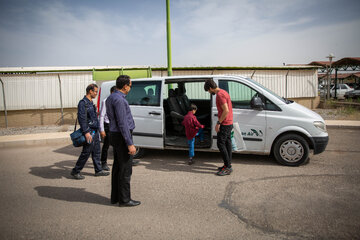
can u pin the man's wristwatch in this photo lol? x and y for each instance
(218, 123)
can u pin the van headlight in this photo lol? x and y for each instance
(320, 125)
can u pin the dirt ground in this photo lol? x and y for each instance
(339, 113)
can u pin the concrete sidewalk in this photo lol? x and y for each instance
(35, 139)
(64, 137)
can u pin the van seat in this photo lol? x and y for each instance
(185, 103)
(175, 111)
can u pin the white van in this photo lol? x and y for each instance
(268, 123)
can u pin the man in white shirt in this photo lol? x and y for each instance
(104, 132)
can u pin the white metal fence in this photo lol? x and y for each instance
(42, 91)
(302, 83)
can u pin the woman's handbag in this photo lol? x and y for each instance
(77, 136)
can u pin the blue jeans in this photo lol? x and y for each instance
(191, 142)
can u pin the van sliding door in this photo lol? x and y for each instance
(145, 100)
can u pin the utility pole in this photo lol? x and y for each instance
(168, 32)
(331, 56)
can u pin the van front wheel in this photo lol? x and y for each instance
(139, 152)
(291, 150)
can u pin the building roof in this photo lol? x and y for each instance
(348, 62)
(320, 63)
(340, 75)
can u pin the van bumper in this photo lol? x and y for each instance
(320, 144)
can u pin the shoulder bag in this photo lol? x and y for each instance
(77, 137)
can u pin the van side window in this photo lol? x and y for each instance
(240, 94)
(144, 93)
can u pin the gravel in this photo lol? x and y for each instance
(35, 129)
(338, 114)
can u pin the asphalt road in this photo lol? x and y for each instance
(260, 200)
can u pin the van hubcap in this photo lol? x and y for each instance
(291, 151)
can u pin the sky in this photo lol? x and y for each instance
(35, 33)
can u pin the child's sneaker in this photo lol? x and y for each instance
(191, 161)
(219, 168)
(225, 171)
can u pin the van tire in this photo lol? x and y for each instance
(291, 150)
(139, 152)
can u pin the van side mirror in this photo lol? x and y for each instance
(256, 103)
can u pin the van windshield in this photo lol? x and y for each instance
(284, 100)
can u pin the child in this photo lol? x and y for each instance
(192, 128)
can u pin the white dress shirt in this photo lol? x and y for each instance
(103, 116)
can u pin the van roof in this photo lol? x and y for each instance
(192, 78)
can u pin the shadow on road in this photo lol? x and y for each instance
(205, 162)
(60, 170)
(69, 150)
(71, 195)
(75, 151)
(157, 160)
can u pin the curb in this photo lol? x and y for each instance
(345, 124)
(342, 127)
(35, 139)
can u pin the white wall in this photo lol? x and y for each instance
(42, 91)
(285, 83)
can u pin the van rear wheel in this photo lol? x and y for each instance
(291, 150)
(139, 152)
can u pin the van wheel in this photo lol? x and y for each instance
(291, 150)
(139, 152)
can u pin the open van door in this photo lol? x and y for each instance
(145, 100)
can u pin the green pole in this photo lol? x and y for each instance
(168, 37)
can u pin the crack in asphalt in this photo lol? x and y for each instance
(229, 205)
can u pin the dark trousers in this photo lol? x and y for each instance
(121, 170)
(224, 143)
(94, 149)
(105, 147)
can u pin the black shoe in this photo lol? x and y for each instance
(191, 161)
(131, 203)
(77, 176)
(101, 173)
(225, 171)
(105, 167)
(135, 162)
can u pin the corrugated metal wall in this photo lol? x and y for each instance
(42, 91)
(285, 83)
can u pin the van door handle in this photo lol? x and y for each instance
(216, 115)
(154, 113)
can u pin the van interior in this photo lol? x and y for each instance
(176, 105)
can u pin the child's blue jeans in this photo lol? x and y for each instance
(191, 142)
